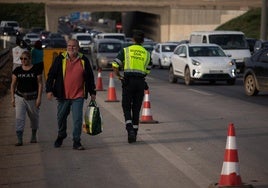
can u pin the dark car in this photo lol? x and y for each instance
(259, 44)
(256, 73)
(8, 31)
(251, 44)
(56, 43)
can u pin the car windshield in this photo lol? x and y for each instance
(11, 24)
(119, 37)
(205, 51)
(84, 37)
(229, 41)
(110, 47)
(33, 36)
(168, 48)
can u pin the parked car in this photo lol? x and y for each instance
(204, 62)
(104, 52)
(161, 54)
(256, 73)
(31, 38)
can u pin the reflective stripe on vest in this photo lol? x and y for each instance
(137, 59)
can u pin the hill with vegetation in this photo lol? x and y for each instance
(249, 23)
(27, 14)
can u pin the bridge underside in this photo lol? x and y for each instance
(164, 22)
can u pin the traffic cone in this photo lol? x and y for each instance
(99, 86)
(111, 97)
(146, 113)
(230, 175)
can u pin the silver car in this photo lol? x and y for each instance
(104, 52)
(161, 54)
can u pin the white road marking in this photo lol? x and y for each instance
(201, 92)
(200, 180)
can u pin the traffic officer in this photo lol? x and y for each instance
(136, 61)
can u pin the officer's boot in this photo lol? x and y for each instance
(136, 131)
(33, 138)
(131, 133)
(20, 137)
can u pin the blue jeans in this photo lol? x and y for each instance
(64, 108)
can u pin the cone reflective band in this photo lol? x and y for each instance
(99, 86)
(111, 96)
(230, 175)
(146, 112)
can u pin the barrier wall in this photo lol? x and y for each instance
(49, 56)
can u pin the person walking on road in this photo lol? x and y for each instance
(38, 55)
(70, 79)
(26, 92)
(17, 51)
(136, 62)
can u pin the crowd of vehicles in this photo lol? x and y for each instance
(207, 55)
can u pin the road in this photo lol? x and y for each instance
(185, 149)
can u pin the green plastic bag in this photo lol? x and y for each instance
(93, 124)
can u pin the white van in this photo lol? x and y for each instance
(119, 36)
(13, 24)
(232, 42)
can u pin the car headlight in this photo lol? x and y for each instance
(232, 62)
(195, 62)
(103, 60)
(165, 58)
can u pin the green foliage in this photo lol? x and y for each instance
(27, 14)
(249, 23)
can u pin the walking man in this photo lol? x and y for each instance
(70, 79)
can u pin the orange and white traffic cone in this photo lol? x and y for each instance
(146, 112)
(111, 97)
(230, 174)
(99, 86)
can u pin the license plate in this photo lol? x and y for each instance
(216, 71)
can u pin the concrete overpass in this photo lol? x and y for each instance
(162, 20)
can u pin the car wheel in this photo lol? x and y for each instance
(187, 77)
(231, 82)
(171, 77)
(250, 85)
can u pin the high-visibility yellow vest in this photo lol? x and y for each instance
(137, 59)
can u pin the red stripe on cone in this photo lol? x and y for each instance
(230, 175)
(146, 111)
(99, 86)
(111, 96)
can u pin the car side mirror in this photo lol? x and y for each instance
(182, 55)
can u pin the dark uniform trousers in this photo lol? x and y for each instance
(132, 98)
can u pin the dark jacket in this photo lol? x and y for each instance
(55, 77)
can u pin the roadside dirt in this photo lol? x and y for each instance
(5, 77)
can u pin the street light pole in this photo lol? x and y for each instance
(264, 20)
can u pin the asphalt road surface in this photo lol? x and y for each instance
(185, 149)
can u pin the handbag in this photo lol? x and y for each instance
(93, 123)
